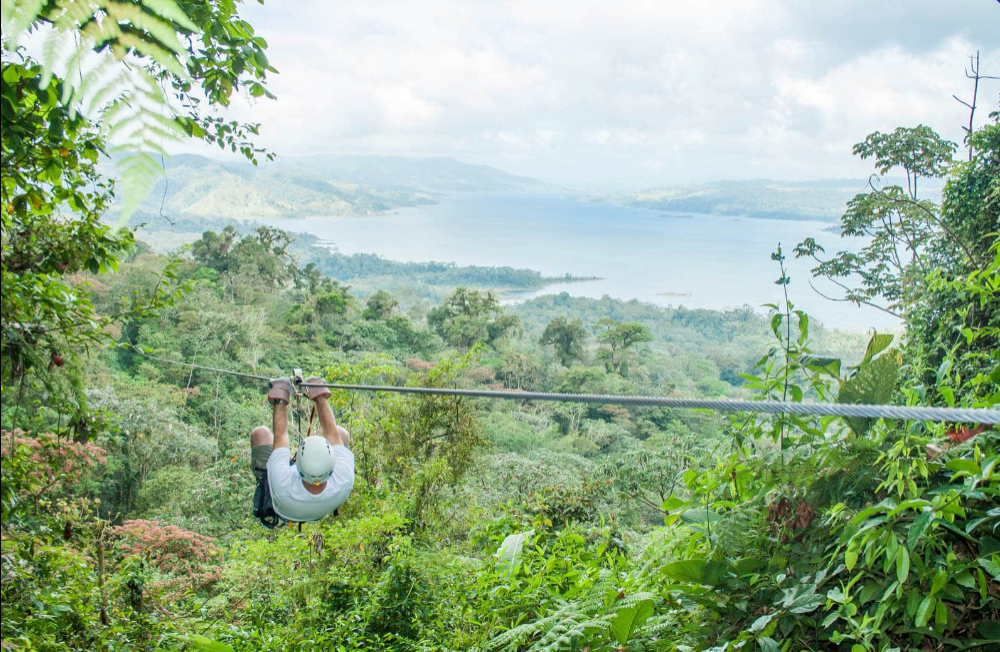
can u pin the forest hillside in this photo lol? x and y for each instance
(132, 378)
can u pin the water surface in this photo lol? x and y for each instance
(698, 261)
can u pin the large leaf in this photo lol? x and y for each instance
(762, 622)
(902, 564)
(989, 629)
(877, 344)
(823, 365)
(991, 566)
(509, 551)
(695, 571)
(802, 599)
(768, 644)
(924, 611)
(918, 527)
(688, 570)
(629, 619)
(700, 519)
(873, 384)
(205, 644)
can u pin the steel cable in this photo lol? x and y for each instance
(938, 414)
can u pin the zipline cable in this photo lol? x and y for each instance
(958, 415)
(936, 414)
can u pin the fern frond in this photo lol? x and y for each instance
(123, 99)
(16, 17)
(515, 636)
(656, 626)
(588, 619)
(170, 11)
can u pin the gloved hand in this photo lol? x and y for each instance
(315, 392)
(281, 391)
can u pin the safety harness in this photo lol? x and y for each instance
(263, 506)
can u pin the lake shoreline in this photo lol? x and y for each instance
(711, 261)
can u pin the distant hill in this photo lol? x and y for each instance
(197, 186)
(822, 200)
(436, 174)
(201, 187)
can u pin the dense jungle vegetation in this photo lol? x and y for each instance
(481, 525)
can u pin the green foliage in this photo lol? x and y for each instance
(100, 89)
(49, 165)
(902, 232)
(348, 267)
(957, 316)
(380, 306)
(117, 60)
(873, 382)
(856, 558)
(619, 338)
(920, 151)
(470, 317)
(568, 338)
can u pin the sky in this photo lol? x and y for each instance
(623, 94)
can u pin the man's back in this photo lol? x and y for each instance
(293, 502)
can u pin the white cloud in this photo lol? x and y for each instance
(631, 92)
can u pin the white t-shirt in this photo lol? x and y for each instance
(293, 502)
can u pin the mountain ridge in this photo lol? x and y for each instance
(200, 186)
(821, 200)
(339, 185)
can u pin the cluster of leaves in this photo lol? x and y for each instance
(117, 60)
(182, 559)
(471, 316)
(37, 465)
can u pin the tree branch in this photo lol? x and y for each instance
(857, 300)
(937, 221)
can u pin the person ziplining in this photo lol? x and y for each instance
(320, 477)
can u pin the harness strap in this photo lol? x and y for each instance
(312, 416)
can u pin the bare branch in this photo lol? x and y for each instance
(855, 301)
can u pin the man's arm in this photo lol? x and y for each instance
(333, 433)
(280, 426)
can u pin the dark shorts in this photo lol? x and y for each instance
(258, 459)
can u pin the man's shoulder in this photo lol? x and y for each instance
(339, 451)
(279, 455)
(279, 465)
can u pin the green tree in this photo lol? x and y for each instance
(943, 321)
(619, 337)
(567, 336)
(898, 226)
(916, 248)
(468, 317)
(380, 306)
(49, 158)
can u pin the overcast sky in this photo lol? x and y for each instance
(620, 93)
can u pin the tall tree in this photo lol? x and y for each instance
(380, 306)
(468, 317)
(896, 225)
(567, 337)
(619, 337)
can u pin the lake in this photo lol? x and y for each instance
(698, 261)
